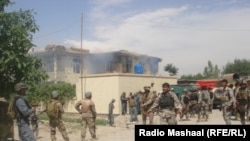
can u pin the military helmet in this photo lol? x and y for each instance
(54, 94)
(243, 82)
(88, 95)
(20, 86)
(185, 90)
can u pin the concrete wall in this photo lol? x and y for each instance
(105, 87)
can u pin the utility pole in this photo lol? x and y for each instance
(81, 58)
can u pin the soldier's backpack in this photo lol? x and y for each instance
(12, 109)
(52, 110)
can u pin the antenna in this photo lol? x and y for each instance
(81, 57)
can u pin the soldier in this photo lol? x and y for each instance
(23, 123)
(242, 98)
(34, 121)
(211, 94)
(185, 102)
(193, 101)
(86, 107)
(168, 103)
(248, 105)
(203, 101)
(124, 103)
(111, 117)
(235, 91)
(132, 108)
(56, 122)
(227, 100)
(146, 103)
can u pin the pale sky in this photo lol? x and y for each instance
(186, 33)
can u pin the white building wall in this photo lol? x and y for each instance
(104, 87)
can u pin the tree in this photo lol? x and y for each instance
(210, 71)
(16, 34)
(171, 69)
(239, 66)
(197, 76)
(42, 92)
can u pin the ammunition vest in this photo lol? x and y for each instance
(131, 103)
(204, 96)
(194, 96)
(185, 99)
(166, 101)
(242, 94)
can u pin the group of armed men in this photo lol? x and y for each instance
(166, 104)
(234, 101)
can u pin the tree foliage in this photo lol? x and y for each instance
(210, 72)
(171, 69)
(239, 66)
(42, 92)
(16, 34)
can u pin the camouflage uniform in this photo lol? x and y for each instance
(227, 100)
(193, 102)
(88, 115)
(34, 122)
(146, 103)
(57, 122)
(167, 102)
(242, 98)
(203, 101)
(185, 102)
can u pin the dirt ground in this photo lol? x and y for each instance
(122, 131)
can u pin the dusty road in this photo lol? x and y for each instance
(122, 132)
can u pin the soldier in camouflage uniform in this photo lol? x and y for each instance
(242, 97)
(227, 100)
(248, 103)
(34, 121)
(146, 103)
(86, 108)
(168, 103)
(185, 102)
(203, 101)
(193, 101)
(58, 122)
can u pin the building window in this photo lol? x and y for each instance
(76, 66)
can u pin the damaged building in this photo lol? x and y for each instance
(106, 75)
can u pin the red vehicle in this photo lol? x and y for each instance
(211, 83)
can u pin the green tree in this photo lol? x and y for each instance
(42, 92)
(239, 66)
(16, 34)
(171, 69)
(197, 76)
(211, 71)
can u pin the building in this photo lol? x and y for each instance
(106, 75)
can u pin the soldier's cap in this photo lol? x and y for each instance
(185, 90)
(113, 100)
(20, 86)
(88, 94)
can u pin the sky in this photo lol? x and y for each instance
(185, 33)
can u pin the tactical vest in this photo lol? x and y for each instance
(194, 96)
(166, 101)
(185, 99)
(243, 94)
(131, 102)
(204, 96)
